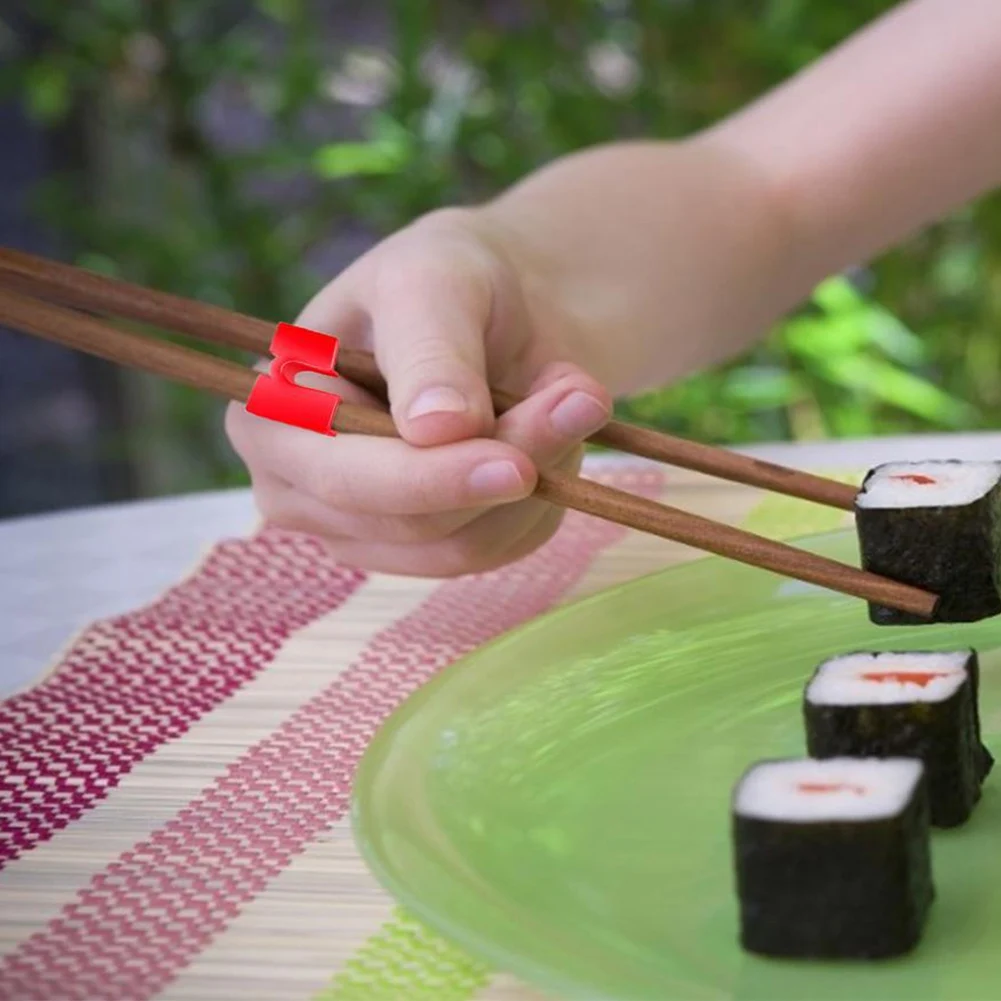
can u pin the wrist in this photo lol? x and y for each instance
(561, 329)
(804, 254)
(674, 256)
(766, 261)
(562, 289)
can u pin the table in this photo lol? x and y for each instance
(185, 773)
(123, 555)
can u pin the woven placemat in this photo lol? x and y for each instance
(174, 794)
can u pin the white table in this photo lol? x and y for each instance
(59, 572)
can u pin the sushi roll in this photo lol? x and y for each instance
(916, 705)
(832, 857)
(935, 525)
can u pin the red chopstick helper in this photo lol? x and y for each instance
(278, 397)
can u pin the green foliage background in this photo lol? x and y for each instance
(461, 100)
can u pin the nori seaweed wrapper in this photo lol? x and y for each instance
(834, 890)
(973, 670)
(952, 551)
(945, 735)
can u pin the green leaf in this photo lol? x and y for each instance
(385, 128)
(354, 159)
(837, 295)
(47, 90)
(849, 325)
(819, 337)
(849, 420)
(899, 388)
(761, 388)
(894, 339)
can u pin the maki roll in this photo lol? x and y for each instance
(915, 705)
(935, 525)
(832, 857)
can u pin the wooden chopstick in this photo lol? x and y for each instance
(97, 293)
(233, 381)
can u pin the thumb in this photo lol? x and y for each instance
(428, 327)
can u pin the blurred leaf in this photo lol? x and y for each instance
(282, 11)
(453, 103)
(352, 159)
(821, 337)
(892, 337)
(837, 295)
(120, 11)
(899, 388)
(761, 388)
(448, 106)
(487, 150)
(385, 128)
(47, 89)
(241, 53)
(958, 268)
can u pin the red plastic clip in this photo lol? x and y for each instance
(276, 395)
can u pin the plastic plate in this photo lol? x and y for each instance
(557, 803)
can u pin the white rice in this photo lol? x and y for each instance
(870, 789)
(955, 483)
(841, 681)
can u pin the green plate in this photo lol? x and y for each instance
(558, 802)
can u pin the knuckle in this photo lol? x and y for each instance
(407, 276)
(448, 219)
(431, 363)
(427, 266)
(427, 353)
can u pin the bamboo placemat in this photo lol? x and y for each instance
(174, 794)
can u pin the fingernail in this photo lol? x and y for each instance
(496, 480)
(440, 400)
(578, 416)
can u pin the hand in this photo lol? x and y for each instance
(449, 307)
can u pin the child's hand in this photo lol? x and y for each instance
(448, 306)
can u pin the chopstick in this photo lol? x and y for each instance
(97, 293)
(233, 381)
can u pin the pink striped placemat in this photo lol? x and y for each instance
(173, 795)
